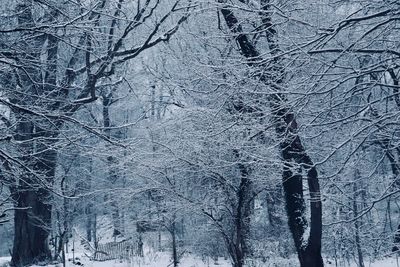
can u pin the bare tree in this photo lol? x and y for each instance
(293, 152)
(62, 52)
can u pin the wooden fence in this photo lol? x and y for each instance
(125, 249)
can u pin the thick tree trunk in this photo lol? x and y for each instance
(32, 218)
(32, 221)
(307, 238)
(293, 153)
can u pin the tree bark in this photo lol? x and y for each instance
(174, 244)
(293, 152)
(244, 210)
(357, 223)
(32, 220)
(111, 162)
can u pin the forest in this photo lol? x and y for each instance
(200, 133)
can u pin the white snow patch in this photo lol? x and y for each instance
(305, 237)
(163, 259)
(159, 259)
(4, 261)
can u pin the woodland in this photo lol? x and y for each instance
(254, 131)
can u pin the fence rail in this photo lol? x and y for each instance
(125, 249)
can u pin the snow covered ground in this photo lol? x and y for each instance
(159, 260)
(154, 258)
(163, 260)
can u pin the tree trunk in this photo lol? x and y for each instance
(356, 220)
(174, 244)
(292, 150)
(95, 239)
(244, 211)
(89, 223)
(111, 162)
(31, 220)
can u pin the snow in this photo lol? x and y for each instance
(156, 260)
(163, 259)
(388, 262)
(4, 260)
(305, 237)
